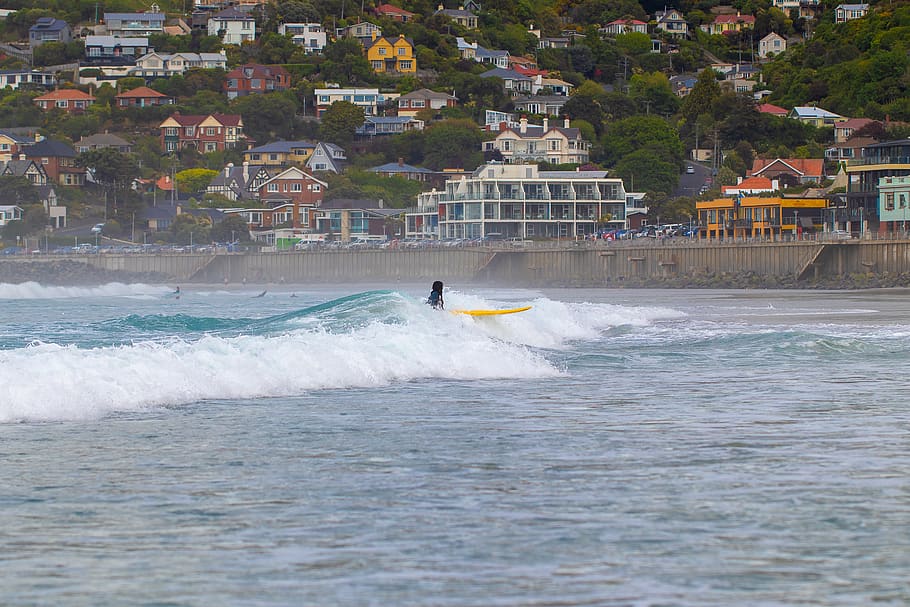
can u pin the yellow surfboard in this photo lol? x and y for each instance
(491, 312)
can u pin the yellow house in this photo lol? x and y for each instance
(391, 55)
(760, 217)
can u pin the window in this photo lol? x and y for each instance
(273, 157)
(553, 145)
(889, 201)
(246, 25)
(405, 66)
(272, 187)
(62, 103)
(211, 146)
(376, 65)
(317, 187)
(189, 131)
(381, 51)
(296, 187)
(903, 199)
(402, 52)
(210, 131)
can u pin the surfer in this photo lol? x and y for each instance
(177, 293)
(260, 295)
(435, 298)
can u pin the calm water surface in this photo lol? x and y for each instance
(339, 446)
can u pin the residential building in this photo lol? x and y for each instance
(232, 26)
(280, 153)
(513, 83)
(894, 202)
(394, 13)
(297, 188)
(13, 141)
(56, 212)
(790, 171)
(241, 182)
(364, 31)
(10, 212)
(878, 161)
(774, 110)
(142, 96)
(16, 79)
(29, 169)
(553, 86)
(460, 16)
(326, 157)
(741, 217)
(624, 26)
(539, 143)
(520, 200)
(71, 101)
(751, 186)
(205, 133)
(113, 51)
(58, 160)
(683, 85)
(816, 116)
(48, 29)
(727, 24)
(388, 125)
(252, 79)
(547, 105)
(400, 169)
(356, 219)
(391, 55)
(368, 99)
(421, 99)
(557, 42)
(845, 130)
(104, 140)
(850, 149)
(672, 22)
(164, 65)
(849, 12)
(771, 45)
(134, 25)
(311, 36)
(805, 9)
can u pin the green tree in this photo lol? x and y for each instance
(113, 171)
(701, 98)
(453, 144)
(194, 181)
(267, 116)
(232, 228)
(340, 121)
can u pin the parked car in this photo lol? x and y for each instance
(839, 235)
(690, 169)
(97, 228)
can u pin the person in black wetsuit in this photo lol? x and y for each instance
(435, 298)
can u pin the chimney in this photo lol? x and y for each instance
(523, 125)
(373, 35)
(246, 171)
(546, 124)
(227, 169)
(565, 123)
(381, 203)
(400, 163)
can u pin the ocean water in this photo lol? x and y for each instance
(349, 446)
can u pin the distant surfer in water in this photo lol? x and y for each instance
(177, 293)
(261, 294)
(435, 298)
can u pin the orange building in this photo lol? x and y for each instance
(760, 217)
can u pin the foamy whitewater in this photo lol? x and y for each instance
(348, 446)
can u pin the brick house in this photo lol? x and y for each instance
(58, 160)
(142, 96)
(71, 101)
(252, 78)
(296, 187)
(211, 133)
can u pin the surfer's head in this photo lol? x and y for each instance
(437, 286)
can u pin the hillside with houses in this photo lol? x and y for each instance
(300, 121)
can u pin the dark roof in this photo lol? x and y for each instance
(50, 147)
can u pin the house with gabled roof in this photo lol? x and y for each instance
(538, 143)
(421, 99)
(327, 157)
(849, 12)
(56, 212)
(816, 116)
(400, 169)
(771, 45)
(209, 133)
(750, 186)
(774, 110)
(104, 140)
(142, 96)
(844, 130)
(727, 24)
(460, 16)
(71, 101)
(363, 31)
(513, 83)
(252, 79)
(232, 26)
(671, 21)
(623, 26)
(311, 36)
(13, 141)
(391, 55)
(164, 65)
(790, 171)
(395, 13)
(29, 169)
(58, 160)
(296, 187)
(241, 182)
(49, 29)
(280, 153)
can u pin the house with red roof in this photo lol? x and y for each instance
(790, 171)
(624, 26)
(774, 110)
(71, 101)
(142, 96)
(751, 186)
(726, 24)
(394, 13)
(252, 79)
(209, 133)
(845, 130)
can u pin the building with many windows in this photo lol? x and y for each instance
(879, 161)
(211, 133)
(519, 201)
(48, 29)
(126, 25)
(311, 36)
(369, 99)
(894, 201)
(252, 79)
(539, 143)
(232, 26)
(391, 55)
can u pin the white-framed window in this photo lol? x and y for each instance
(296, 187)
(62, 103)
(317, 187)
(405, 65)
(272, 187)
(382, 51)
(189, 131)
(210, 131)
(402, 51)
(211, 146)
(376, 65)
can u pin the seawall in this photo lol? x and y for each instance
(670, 264)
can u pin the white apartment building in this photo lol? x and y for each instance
(519, 201)
(368, 99)
(536, 143)
(311, 36)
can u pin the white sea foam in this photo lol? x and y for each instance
(34, 290)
